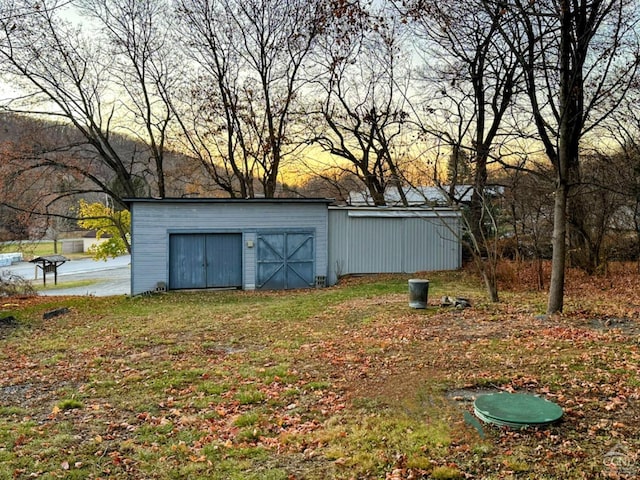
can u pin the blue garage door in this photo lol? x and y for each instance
(205, 260)
(285, 260)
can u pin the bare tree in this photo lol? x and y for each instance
(529, 199)
(250, 57)
(471, 78)
(579, 58)
(360, 115)
(36, 193)
(103, 86)
(144, 68)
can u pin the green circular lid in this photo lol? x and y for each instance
(516, 409)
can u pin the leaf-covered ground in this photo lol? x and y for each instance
(344, 382)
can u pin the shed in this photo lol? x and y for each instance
(193, 243)
(190, 243)
(393, 240)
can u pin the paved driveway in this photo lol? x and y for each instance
(112, 277)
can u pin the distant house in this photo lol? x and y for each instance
(422, 196)
(195, 243)
(82, 244)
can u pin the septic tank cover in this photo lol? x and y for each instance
(516, 410)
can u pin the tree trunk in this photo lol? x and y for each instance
(539, 273)
(570, 124)
(491, 284)
(636, 221)
(375, 189)
(162, 191)
(556, 287)
(488, 273)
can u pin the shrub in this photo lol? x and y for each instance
(12, 285)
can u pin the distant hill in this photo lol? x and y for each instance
(26, 139)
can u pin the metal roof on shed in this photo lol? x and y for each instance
(399, 212)
(188, 200)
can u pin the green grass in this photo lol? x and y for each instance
(34, 249)
(70, 404)
(343, 382)
(250, 396)
(12, 411)
(40, 287)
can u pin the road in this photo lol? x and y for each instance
(112, 277)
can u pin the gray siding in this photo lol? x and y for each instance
(346, 240)
(154, 221)
(375, 245)
(373, 240)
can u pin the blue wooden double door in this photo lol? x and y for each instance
(285, 260)
(212, 260)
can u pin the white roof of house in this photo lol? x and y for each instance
(416, 196)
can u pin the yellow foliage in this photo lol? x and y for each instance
(114, 226)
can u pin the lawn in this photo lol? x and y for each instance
(34, 249)
(343, 382)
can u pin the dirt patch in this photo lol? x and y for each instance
(469, 395)
(16, 394)
(625, 325)
(7, 325)
(29, 395)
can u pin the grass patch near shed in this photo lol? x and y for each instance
(40, 287)
(342, 382)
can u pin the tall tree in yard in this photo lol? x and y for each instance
(472, 78)
(579, 57)
(250, 57)
(144, 70)
(360, 113)
(102, 83)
